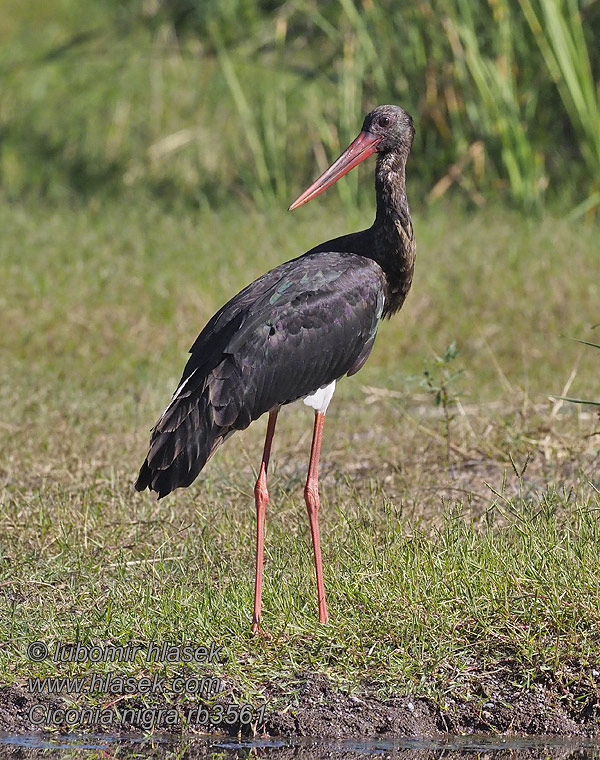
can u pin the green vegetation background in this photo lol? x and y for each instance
(209, 100)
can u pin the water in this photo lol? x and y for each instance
(224, 748)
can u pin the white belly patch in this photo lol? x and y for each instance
(319, 400)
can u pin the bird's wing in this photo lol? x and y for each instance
(292, 331)
(305, 324)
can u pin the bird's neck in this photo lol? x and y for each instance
(393, 238)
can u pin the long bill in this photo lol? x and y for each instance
(362, 147)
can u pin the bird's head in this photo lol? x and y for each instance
(386, 129)
(392, 127)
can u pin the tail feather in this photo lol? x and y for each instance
(177, 455)
(192, 427)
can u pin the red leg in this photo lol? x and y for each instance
(261, 497)
(311, 496)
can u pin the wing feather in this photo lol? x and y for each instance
(292, 331)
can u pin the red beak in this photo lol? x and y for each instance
(362, 147)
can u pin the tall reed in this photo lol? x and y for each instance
(206, 100)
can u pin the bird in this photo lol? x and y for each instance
(292, 334)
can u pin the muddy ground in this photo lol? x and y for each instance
(319, 709)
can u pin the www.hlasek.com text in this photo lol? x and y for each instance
(113, 683)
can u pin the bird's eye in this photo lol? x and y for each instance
(384, 121)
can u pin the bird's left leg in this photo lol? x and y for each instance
(311, 496)
(261, 497)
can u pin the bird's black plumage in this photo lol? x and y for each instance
(297, 328)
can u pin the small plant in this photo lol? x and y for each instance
(581, 400)
(438, 380)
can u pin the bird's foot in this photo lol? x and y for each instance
(256, 630)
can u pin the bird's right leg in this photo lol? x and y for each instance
(313, 504)
(261, 497)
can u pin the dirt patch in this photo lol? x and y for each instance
(313, 707)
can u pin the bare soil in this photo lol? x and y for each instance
(316, 708)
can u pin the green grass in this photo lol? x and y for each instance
(444, 561)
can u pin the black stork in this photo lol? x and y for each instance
(292, 334)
